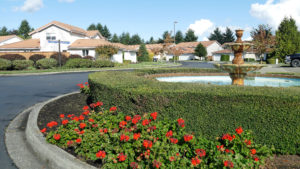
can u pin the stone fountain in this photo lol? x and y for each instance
(238, 70)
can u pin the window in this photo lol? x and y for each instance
(85, 52)
(50, 36)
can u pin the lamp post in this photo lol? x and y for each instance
(174, 40)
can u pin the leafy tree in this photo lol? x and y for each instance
(143, 55)
(92, 27)
(3, 31)
(287, 38)
(179, 37)
(190, 36)
(24, 29)
(176, 53)
(106, 33)
(125, 38)
(13, 32)
(106, 52)
(135, 40)
(228, 36)
(200, 50)
(115, 39)
(217, 35)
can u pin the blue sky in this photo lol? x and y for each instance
(150, 17)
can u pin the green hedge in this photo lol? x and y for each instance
(21, 64)
(271, 61)
(225, 58)
(249, 60)
(5, 64)
(79, 63)
(210, 110)
(46, 63)
(103, 63)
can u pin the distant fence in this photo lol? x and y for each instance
(28, 54)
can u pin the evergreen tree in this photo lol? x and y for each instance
(92, 27)
(115, 39)
(125, 38)
(106, 33)
(24, 29)
(287, 38)
(217, 35)
(143, 55)
(200, 50)
(135, 40)
(165, 34)
(179, 37)
(190, 36)
(228, 36)
(13, 32)
(151, 41)
(3, 31)
(100, 28)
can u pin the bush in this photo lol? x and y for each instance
(271, 61)
(89, 57)
(63, 58)
(13, 57)
(21, 64)
(74, 56)
(5, 64)
(103, 63)
(225, 58)
(36, 57)
(46, 63)
(79, 63)
(126, 62)
(249, 60)
(210, 110)
(114, 140)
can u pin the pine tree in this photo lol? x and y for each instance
(190, 36)
(100, 28)
(115, 39)
(125, 38)
(179, 37)
(106, 33)
(228, 36)
(24, 29)
(287, 38)
(3, 31)
(151, 41)
(200, 50)
(92, 27)
(143, 55)
(217, 35)
(135, 40)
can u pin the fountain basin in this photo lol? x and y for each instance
(239, 69)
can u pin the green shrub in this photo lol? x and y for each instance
(36, 57)
(74, 56)
(225, 58)
(79, 63)
(21, 64)
(63, 58)
(127, 62)
(210, 110)
(249, 60)
(5, 64)
(46, 63)
(103, 63)
(271, 61)
(13, 57)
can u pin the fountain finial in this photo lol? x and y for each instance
(239, 34)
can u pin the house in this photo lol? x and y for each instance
(9, 39)
(29, 45)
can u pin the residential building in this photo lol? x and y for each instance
(9, 39)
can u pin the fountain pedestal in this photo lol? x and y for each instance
(237, 79)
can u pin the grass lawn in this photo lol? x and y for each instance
(118, 66)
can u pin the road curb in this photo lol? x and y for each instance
(51, 155)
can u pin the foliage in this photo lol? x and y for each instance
(151, 41)
(115, 39)
(73, 56)
(21, 64)
(143, 55)
(200, 50)
(3, 31)
(249, 60)
(56, 57)
(271, 61)
(79, 63)
(24, 29)
(5, 64)
(126, 62)
(228, 36)
(287, 38)
(89, 57)
(92, 27)
(106, 33)
(125, 38)
(36, 57)
(176, 52)
(179, 37)
(222, 38)
(103, 63)
(225, 58)
(120, 141)
(13, 57)
(46, 63)
(106, 51)
(135, 40)
(269, 111)
(190, 36)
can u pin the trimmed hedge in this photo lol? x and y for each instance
(36, 57)
(225, 58)
(210, 110)
(249, 60)
(5, 64)
(271, 61)
(46, 63)
(79, 63)
(103, 63)
(21, 64)
(13, 57)
(74, 56)
(63, 58)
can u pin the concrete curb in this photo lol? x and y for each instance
(54, 157)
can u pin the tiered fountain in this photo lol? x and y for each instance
(238, 70)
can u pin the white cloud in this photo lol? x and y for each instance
(248, 39)
(273, 13)
(31, 6)
(205, 39)
(201, 26)
(69, 1)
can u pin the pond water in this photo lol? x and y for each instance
(226, 80)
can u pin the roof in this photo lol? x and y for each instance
(194, 44)
(225, 51)
(25, 44)
(5, 38)
(93, 33)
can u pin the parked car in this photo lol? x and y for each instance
(293, 60)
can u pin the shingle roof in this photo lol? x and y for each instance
(4, 38)
(25, 44)
(93, 43)
(93, 33)
(225, 51)
(194, 44)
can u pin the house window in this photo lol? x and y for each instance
(50, 36)
(85, 52)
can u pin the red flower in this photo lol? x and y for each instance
(248, 142)
(105, 130)
(136, 119)
(85, 107)
(56, 136)
(62, 116)
(239, 130)
(78, 140)
(75, 118)
(52, 124)
(256, 159)
(124, 138)
(64, 122)
(86, 83)
(82, 125)
(70, 142)
(180, 122)
(200, 152)
(136, 136)
(101, 154)
(99, 104)
(91, 120)
(169, 133)
(156, 164)
(113, 109)
(70, 115)
(227, 137)
(80, 85)
(220, 148)
(174, 140)
(188, 138)
(86, 113)
(81, 132)
(253, 151)
(196, 161)
(127, 118)
(134, 165)
(145, 122)
(147, 144)
(154, 115)
(227, 150)
(172, 158)
(81, 117)
(228, 164)
(177, 154)
(122, 124)
(43, 130)
(122, 157)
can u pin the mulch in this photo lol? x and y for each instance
(73, 104)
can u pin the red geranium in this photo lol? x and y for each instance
(228, 164)
(62, 116)
(156, 164)
(113, 109)
(256, 159)
(105, 130)
(169, 133)
(196, 161)
(253, 151)
(145, 122)
(154, 115)
(147, 144)
(86, 113)
(248, 142)
(78, 140)
(136, 136)
(134, 165)
(82, 125)
(239, 130)
(122, 124)
(75, 118)
(101, 154)
(180, 122)
(56, 136)
(85, 107)
(52, 124)
(124, 138)
(174, 140)
(70, 142)
(122, 157)
(200, 152)
(43, 130)
(91, 120)
(188, 138)
(64, 122)
(172, 158)
(127, 118)
(227, 137)
(81, 117)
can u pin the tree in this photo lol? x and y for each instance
(228, 36)
(143, 55)
(135, 40)
(179, 37)
(125, 38)
(262, 39)
(115, 39)
(151, 41)
(176, 53)
(92, 27)
(106, 52)
(24, 29)
(190, 36)
(3, 31)
(99, 28)
(106, 33)
(287, 38)
(200, 50)
(216, 35)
